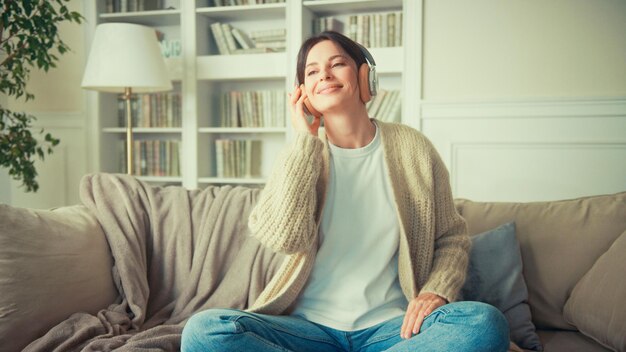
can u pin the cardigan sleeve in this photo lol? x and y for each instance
(452, 243)
(283, 218)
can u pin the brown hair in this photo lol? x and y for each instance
(348, 45)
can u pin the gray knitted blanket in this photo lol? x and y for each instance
(176, 252)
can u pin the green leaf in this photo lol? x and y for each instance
(33, 26)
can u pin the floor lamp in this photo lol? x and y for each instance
(125, 59)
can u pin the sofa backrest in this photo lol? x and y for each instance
(53, 263)
(560, 241)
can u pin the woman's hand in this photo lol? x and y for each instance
(299, 120)
(418, 309)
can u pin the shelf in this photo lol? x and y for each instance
(244, 12)
(342, 7)
(249, 66)
(202, 77)
(177, 179)
(388, 60)
(154, 18)
(144, 130)
(242, 130)
(255, 181)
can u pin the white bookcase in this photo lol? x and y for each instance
(200, 74)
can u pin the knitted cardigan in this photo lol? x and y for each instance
(433, 248)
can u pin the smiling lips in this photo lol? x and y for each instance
(329, 88)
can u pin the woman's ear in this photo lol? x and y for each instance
(364, 83)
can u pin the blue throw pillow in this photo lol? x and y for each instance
(495, 277)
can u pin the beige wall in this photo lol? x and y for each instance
(489, 50)
(59, 88)
(59, 106)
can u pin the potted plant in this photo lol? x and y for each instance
(29, 39)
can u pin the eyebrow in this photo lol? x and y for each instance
(329, 59)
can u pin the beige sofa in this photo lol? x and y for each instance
(568, 248)
(574, 258)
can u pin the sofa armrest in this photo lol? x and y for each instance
(53, 263)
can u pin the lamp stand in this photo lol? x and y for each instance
(129, 131)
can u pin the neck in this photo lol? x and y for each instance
(349, 129)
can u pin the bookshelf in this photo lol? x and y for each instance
(202, 76)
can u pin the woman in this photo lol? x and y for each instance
(377, 253)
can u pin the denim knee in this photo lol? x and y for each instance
(492, 325)
(205, 328)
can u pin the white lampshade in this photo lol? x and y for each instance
(125, 55)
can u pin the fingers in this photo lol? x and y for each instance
(423, 313)
(410, 319)
(297, 92)
(298, 116)
(419, 308)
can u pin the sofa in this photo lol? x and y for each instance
(62, 276)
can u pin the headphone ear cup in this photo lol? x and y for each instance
(309, 109)
(364, 83)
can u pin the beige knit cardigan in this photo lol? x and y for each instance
(434, 246)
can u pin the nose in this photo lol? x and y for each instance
(324, 74)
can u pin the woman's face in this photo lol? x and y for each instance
(330, 77)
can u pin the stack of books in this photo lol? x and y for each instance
(329, 23)
(237, 158)
(114, 6)
(275, 39)
(242, 2)
(232, 40)
(386, 106)
(153, 157)
(376, 30)
(265, 108)
(152, 110)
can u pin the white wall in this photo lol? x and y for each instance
(526, 100)
(508, 50)
(59, 106)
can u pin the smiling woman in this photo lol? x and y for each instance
(377, 252)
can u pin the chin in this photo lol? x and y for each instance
(329, 104)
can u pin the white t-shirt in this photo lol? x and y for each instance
(354, 281)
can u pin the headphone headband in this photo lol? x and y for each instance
(368, 57)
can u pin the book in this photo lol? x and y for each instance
(278, 32)
(152, 157)
(377, 29)
(219, 158)
(220, 40)
(253, 51)
(238, 158)
(264, 108)
(242, 38)
(273, 45)
(230, 39)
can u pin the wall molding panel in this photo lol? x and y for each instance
(585, 107)
(530, 151)
(535, 171)
(60, 172)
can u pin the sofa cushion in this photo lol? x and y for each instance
(568, 341)
(596, 305)
(52, 264)
(560, 241)
(495, 277)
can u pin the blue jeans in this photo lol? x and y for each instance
(459, 326)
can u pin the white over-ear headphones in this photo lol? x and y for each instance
(372, 77)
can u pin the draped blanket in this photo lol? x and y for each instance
(176, 252)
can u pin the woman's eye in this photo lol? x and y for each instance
(338, 64)
(310, 73)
